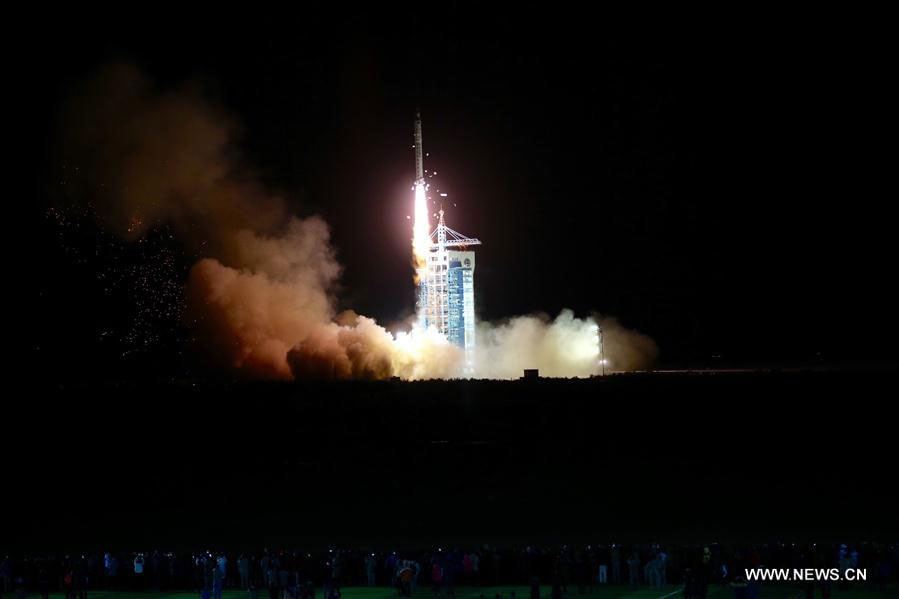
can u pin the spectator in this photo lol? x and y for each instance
(43, 579)
(557, 586)
(209, 568)
(5, 575)
(390, 567)
(81, 578)
(68, 581)
(153, 570)
(451, 568)
(284, 578)
(691, 585)
(113, 572)
(633, 570)
(222, 563)
(664, 566)
(467, 567)
(243, 568)
(581, 572)
(739, 587)
(616, 564)
(139, 571)
(416, 570)
(370, 569)
(405, 578)
(592, 568)
(436, 577)
(20, 588)
(107, 563)
(845, 565)
(218, 581)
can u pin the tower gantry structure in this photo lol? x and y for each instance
(446, 281)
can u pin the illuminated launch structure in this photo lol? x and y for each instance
(444, 268)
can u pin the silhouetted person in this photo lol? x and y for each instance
(696, 580)
(663, 567)
(370, 564)
(20, 588)
(557, 586)
(68, 581)
(845, 565)
(5, 575)
(405, 578)
(690, 584)
(616, 564)
(633, 570)
(113, 582)
(243, 568)
(218, 581)
(43, 579)
(81, 578)
(436, 577)
(740, 587)
(564, 569)
(139, 571)
(416, 571)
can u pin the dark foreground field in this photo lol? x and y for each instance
(670, 457)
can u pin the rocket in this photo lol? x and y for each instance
(419, 154)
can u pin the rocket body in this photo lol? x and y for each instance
(421, 239)
(421, 230)
(419, 153)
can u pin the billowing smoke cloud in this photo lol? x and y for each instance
(261, 296)
(564, 347)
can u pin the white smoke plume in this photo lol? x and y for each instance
(261, 297)
(564, 347)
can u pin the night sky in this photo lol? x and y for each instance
(717, 188)
(720, 182)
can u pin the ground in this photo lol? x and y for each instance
(686, 458)
(608, 592)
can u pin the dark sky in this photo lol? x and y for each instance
(718, 188)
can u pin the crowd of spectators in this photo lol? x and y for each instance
(307, 574)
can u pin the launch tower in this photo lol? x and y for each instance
(446, 280)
